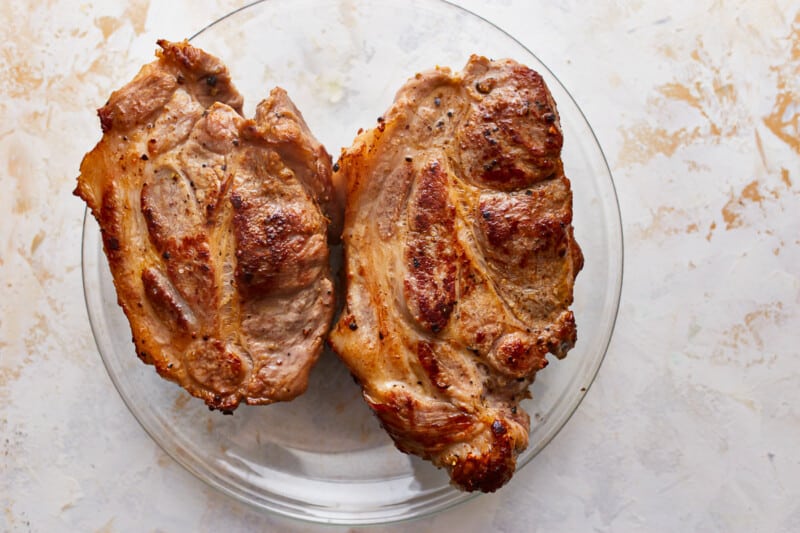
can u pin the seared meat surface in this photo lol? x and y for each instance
(215, 229)
(460, 264)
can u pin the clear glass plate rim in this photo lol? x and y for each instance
(615, 260)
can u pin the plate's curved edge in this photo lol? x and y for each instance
(225, 16)
(461, 497)
(93, 322)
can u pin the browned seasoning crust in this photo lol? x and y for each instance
(460, 264)
(215, 229)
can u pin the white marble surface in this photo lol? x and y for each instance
(694, 421)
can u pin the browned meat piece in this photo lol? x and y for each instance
(213, 229)
(460, 263)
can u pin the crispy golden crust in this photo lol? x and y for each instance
(460, 264)
(213, 229)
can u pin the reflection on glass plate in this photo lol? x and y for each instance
(323, 457)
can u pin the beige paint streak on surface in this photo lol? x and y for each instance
(745, 344)
(760, 146)
(37, 241)
(14, 363)
(39, 269)
(676, 91)
(22, 68)
(751, 192)
(755, 192)
(695, 166)
(10, 518)
(136, 13)
(660, 224)
(22, 77)
(107, 25)
(99, 67)
(784, 120)
(668, 221)
(785, 178)
(20, 170)
(732, 210)
(704, 87)
(668, 52)
(711, 229)
(36, 335)
(643, 142)
(67, 85)
(108, 527)
(8, 374)
(748, 333)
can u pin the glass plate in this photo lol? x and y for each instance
(323, 457)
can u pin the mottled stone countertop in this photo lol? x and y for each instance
(693, 423)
